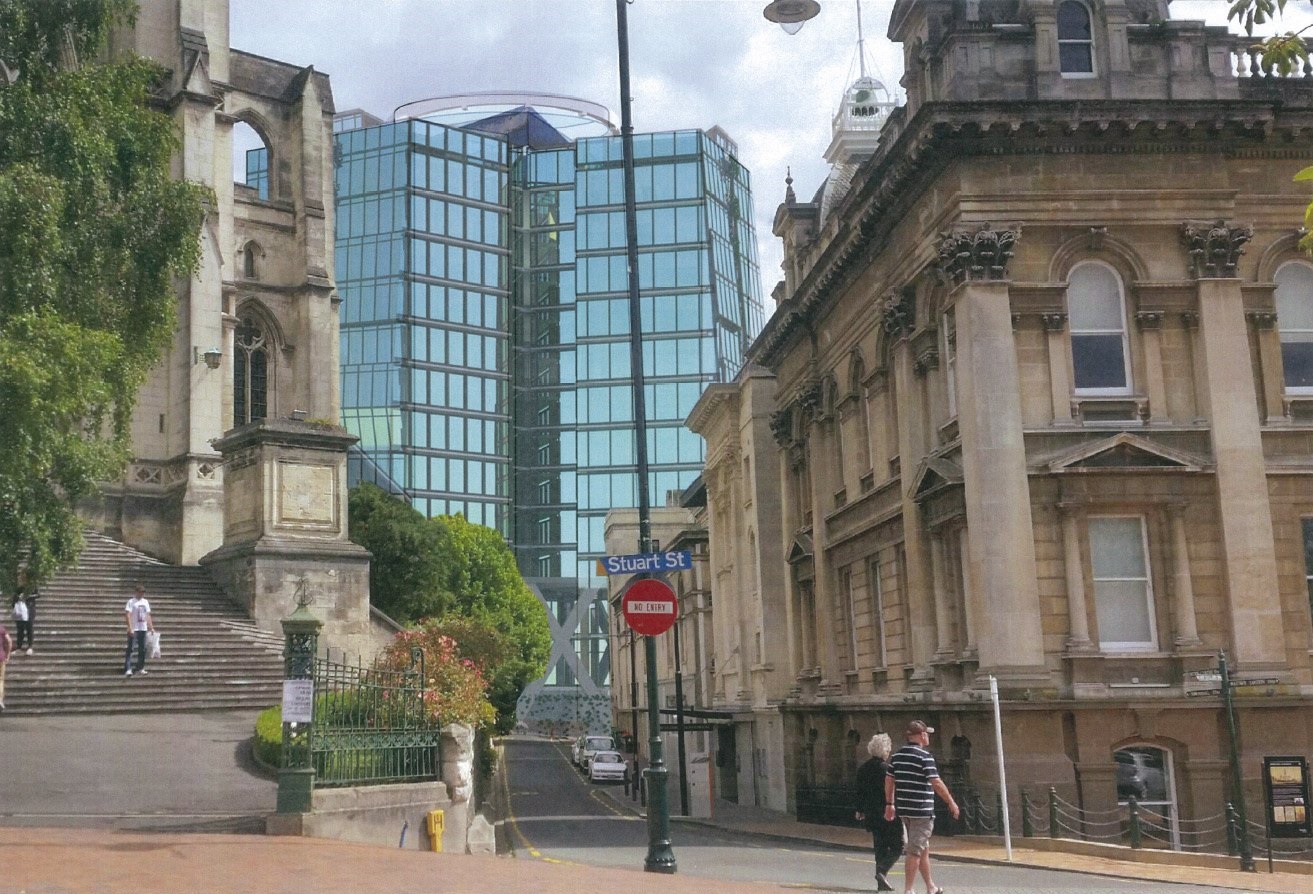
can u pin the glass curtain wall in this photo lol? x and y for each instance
(422, 255)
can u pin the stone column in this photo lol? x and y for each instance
(1187, 633)
(1269, 361)
(1059, 367)
(823, 475)
(1151, 324)
(1078, 639)
(1001, 538)
(781, 426)
(919, 593)
(1249, 551)
(943, 616)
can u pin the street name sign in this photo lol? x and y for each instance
(650, 607)
(1207, 676)
(674, 560)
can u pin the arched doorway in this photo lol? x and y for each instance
(1144, 773)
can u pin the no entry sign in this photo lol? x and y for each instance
(649, 606)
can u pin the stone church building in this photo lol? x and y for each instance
(1036, 403)
(239, 463)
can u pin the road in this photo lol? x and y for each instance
(558, 817)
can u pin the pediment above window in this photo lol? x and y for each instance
(1125, 452)
(801, 550)
(934, 475)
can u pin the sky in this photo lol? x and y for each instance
(693, 64)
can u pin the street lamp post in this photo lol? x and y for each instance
(660, 856)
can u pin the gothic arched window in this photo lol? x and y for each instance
(250, 373)
(1075, 39)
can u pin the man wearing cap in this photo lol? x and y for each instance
(910, 790)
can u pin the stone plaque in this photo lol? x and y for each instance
(307, 495)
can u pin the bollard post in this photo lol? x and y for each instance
(1232, 844)
(1053, 813)
(1027, 822)
(1135, 823)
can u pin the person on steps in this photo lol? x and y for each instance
(29, 594)
(22, 613)
(137, 614)
(6, 649)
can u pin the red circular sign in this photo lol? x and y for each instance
(649, 607)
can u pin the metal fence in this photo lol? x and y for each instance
(371, 725)
(1133, 824)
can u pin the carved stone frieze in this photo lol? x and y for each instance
(897, 313)
(1214, 248)
(810, 398)
(926, 361)
(781, 426)
(1262, 319)
(1054, 322)
(1149, 319)
(980, 254)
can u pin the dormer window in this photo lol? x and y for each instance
(1075, 39)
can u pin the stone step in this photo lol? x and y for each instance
(214, 656)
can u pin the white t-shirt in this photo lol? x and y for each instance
(139, 611)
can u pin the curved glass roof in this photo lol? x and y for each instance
(574, 118)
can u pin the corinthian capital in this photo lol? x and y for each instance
(980, 254)
(1214, 248)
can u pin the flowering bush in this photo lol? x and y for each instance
(456, 690)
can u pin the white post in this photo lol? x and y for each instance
(1002, 773)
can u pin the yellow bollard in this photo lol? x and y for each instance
(436, 822)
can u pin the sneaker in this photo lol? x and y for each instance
(128, 672)
(882, 883)
(29, 651)
(143, 671)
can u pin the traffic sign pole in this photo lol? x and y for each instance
(1237, 779)
(660, 855)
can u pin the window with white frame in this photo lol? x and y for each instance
(1075, 39)
(1123, 591)
(949, 350)
(1096, 308)
(849, 617)
(1308, 560)
(1294, 299)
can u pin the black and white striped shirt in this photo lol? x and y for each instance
(912, 768)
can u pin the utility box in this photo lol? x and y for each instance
(436, 821)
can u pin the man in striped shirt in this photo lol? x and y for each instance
(910, 790)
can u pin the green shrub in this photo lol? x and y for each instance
(268, 741)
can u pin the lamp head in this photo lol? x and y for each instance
(213, 358)
(791, 15)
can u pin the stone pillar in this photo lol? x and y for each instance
(943, 616)
(1150, 323)
(1249, 551)
(1187, 633)
(285, 526)
(1077, 612)
(1269, 361)
(823, 475)
(919, 593)
(1001, 538)
(1059, 367)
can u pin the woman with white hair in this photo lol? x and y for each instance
(886, 836)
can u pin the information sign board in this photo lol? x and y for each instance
(298, 701)
(1286, 786)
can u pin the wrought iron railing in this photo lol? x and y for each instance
(371, 726)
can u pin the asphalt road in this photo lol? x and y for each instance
(559, 817)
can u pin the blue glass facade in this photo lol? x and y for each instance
(485, 334)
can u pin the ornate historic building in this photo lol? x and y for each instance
(1042, 409)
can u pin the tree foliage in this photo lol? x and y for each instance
(1283, 52)
(94, 231)
(405, 576)
(484, 584)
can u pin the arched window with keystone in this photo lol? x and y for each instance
(1096, 305)
(1294, 300)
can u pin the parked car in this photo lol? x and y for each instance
(590, 745)
(606, 766)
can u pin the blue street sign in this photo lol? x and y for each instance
(640, 562)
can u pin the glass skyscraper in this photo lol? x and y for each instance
(485, 335)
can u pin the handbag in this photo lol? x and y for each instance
(153, 643)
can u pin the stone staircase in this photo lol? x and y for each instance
(212, 656)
